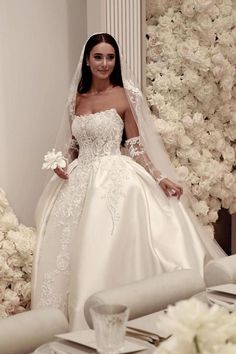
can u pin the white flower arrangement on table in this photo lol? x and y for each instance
(191, 89)
(53, 160)
(16, 255)
(197, 328)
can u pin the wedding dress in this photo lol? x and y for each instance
(109, 224)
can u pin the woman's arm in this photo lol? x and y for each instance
(73, 153)
(137, 152)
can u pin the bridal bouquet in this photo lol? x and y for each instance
(191, 90)
(16, 254)
(53, 160)
(197, 328)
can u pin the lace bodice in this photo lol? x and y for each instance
(98, 134)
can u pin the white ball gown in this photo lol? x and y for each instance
(109, 224)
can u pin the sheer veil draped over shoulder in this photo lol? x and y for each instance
(76, 254)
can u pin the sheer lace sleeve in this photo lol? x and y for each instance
(73, 150)
(138, 154)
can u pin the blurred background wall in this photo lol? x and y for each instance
(40, 41)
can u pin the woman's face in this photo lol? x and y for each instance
(102, 60)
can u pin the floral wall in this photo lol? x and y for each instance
(191, 89)
(16, 255)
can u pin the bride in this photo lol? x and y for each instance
(112, 216)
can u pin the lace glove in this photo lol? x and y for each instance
(138, 154)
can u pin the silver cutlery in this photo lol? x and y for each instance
(152, 338)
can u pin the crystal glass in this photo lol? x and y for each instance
(109, 322)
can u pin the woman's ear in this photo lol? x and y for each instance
(87, 61)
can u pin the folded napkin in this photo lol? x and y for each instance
(223, 295)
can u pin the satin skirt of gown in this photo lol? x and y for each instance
(108, 224)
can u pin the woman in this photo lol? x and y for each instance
(110, 218)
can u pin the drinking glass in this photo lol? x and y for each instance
(109, 322)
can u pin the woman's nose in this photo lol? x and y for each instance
(104, 62)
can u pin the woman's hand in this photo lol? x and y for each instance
(62, 173)
(170, 188)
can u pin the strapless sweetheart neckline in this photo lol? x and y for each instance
(99, 112)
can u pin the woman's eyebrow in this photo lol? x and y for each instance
(103, 54)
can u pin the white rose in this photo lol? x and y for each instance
(153, 54)
(187, 121)
(17, 286)
(204, 23)
(232, 208)
(220, 144)
(227, 202)
(198, 118)
(28, 267)
(225, 10)
(225, 96)
(229, 154)
(218, 59)
(227, 82)
(193, 177)
(191, 79)
(214, 12)
(3, 287)
(8, 221)
(27, 232)
(188, 8)
(214, 203)
(3, 313)
(200, 208)
(26, 291)
(153, 41)
(198, 191)
(231, 132)
(229, 180)
(1, 236)
(165, 21)
(3, 201)
(209, 230)
(218, 71)
(206, 92)
(23, 244)
(213, 216)
(203, 5)
(15, 261)
(170, 138)
(226, 39)
(11, 301)
(184, 141)
(182, 172)
(194, 155)
(8, 246)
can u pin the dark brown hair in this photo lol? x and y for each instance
(86, 75)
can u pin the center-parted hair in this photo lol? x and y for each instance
(86, 74)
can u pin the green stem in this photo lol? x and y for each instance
(195, 340)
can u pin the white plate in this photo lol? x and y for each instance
(223, 295)
(87, 338)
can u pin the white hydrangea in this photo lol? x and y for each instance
(191, 76)
(197, 328)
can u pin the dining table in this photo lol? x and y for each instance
(141, 325)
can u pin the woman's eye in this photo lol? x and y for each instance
(111, 57)
(97, 57)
